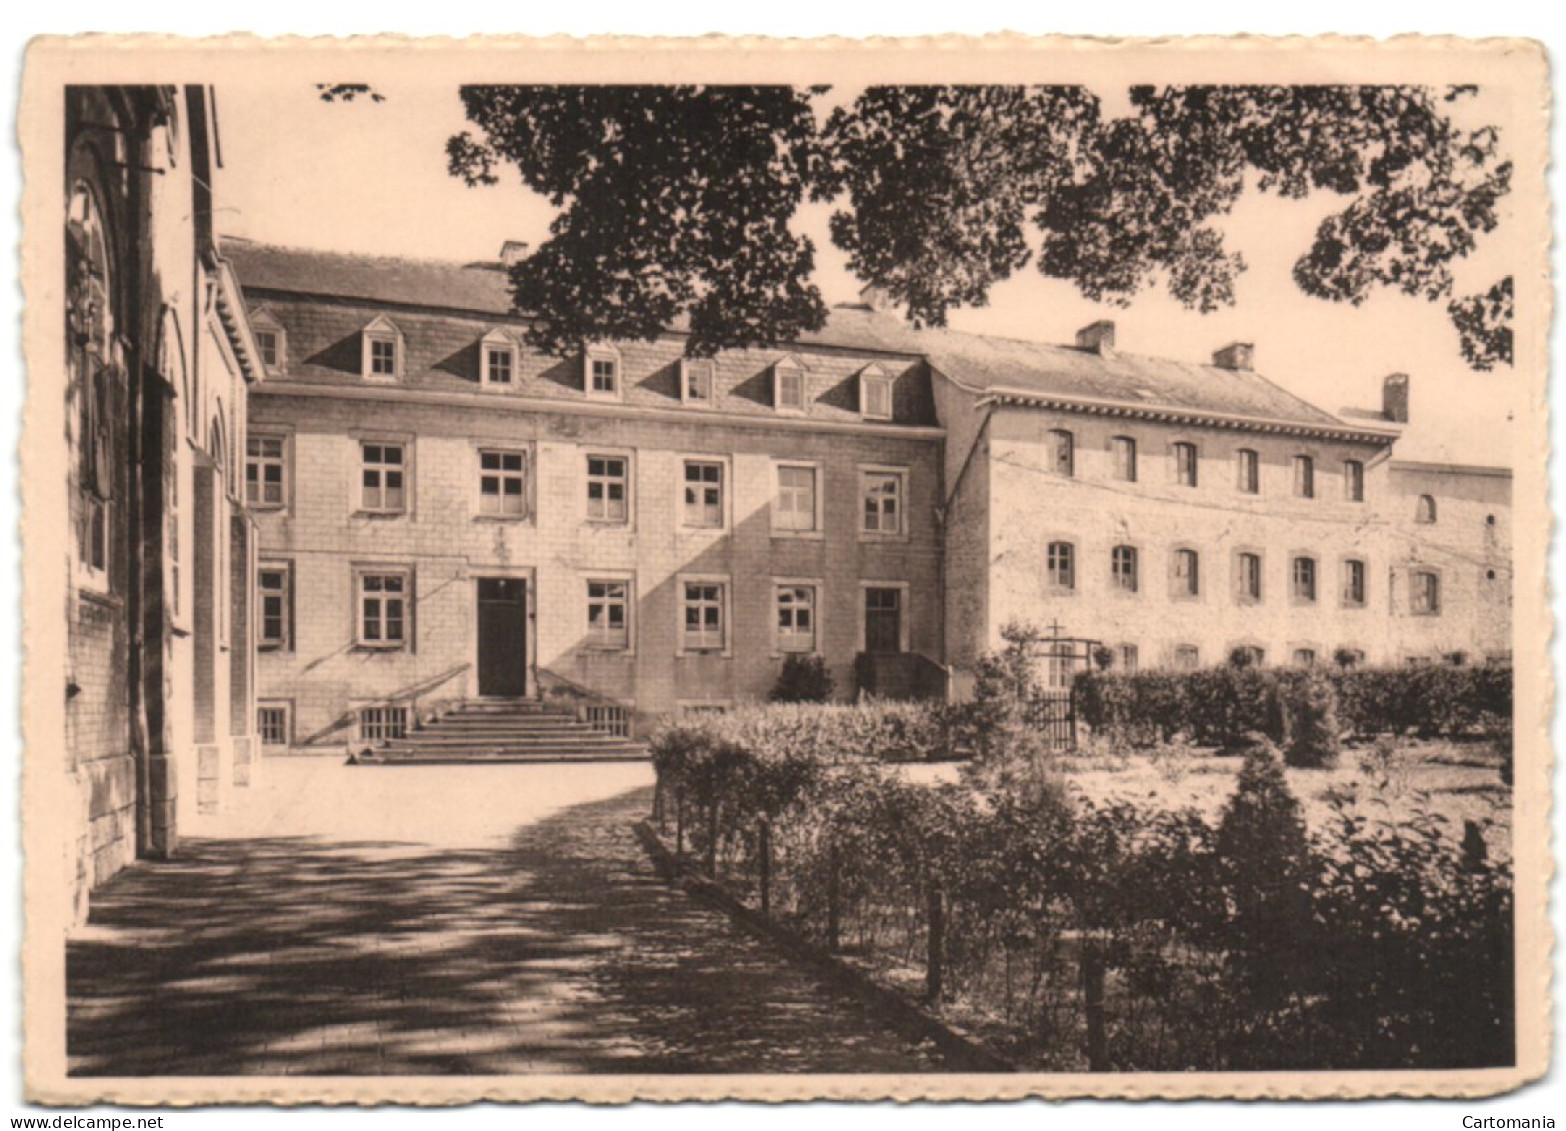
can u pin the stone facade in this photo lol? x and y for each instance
(1464, 541)
(1171, 512)
(156, 374)
(556, 544)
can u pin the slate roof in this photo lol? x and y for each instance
(981, 362)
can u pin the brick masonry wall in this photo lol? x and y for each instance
(447, 544)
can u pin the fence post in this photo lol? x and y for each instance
(935, 954)
(1092, 963)
(833, 920)
(712, 839)
(679, 822)
(764, 850)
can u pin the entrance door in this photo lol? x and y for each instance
(502, 636)
(883, 620)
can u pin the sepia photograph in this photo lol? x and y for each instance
(703, 571)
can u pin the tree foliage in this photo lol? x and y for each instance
(678, 201)
(1484, 325)
(675, 203)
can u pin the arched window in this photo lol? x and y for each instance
(1304, 477)
(1122, 568)
(1187, 574)
(1062, 565)
(90, 357)
(1354, 481)
(1425, 593)
(1060, 447)
(1123, 448)
(1248, 578)
(1425, 509)
(1304, 575)
(1247, 472)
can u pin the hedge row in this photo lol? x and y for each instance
(1109, 936)
(1220, 706)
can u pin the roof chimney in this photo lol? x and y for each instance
(512, 252)
(1098, 338)
(1394, 398)
(1236, 355)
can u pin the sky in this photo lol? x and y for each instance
(371, 178)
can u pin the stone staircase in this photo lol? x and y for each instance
(505, 730)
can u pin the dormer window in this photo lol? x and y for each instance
(696, 375)
(788, 386)
(875, 393)
(271, 341)
(601, 372)
(382, 358)
(500, 366)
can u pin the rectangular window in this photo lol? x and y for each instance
(1126, 657)
(503, 484)
(383, 609)
(788, 388)
(605, 376)
(1304, 657)
(1123, 448)
(1185, 464)
(274, 592)
(696, 380)
(383, 357)
(702, 616)
(1122, 568)
(383, 478)
(1187, 657)
(881, 502)
(1426, 593)
(272, 725)
(876, 397)
(703, 493)
(796, 618)
(1305, 580)
(171, 524)
(1304, 477)
(883, 619)
(609, 614)
(265, 469)
(1249, 581)
(1248, 469)
(383, 724)
(1353, 481)
(499, 365)
(266, 343)
(1061, 448)
(794, 509)
(1354, 584)
(608, 489)
(1187, 574)
(1062, 565)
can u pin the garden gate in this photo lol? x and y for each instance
(1053, 710)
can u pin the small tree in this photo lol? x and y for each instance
(1009, 751)
(1311, 713)
(804, 679)
(1264, 865)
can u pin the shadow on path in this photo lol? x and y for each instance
(562, 952)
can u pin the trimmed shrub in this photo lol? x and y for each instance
(1264, 868)
(1220, 706)
(804, 679)
(1311, 712)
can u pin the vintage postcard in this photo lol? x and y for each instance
(967, 568)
